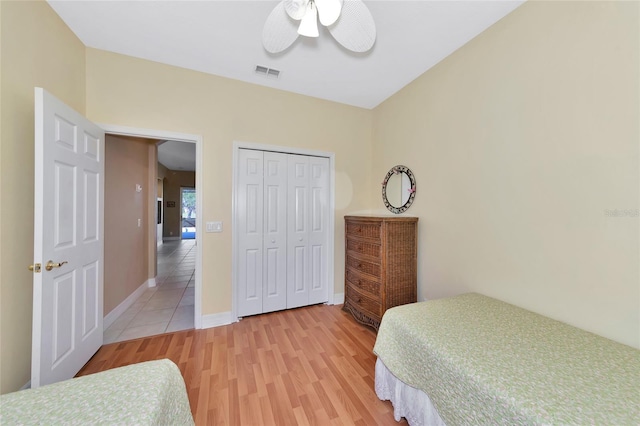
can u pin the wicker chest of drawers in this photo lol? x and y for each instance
(380, 265)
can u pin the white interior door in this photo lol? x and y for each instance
(318, 236)
(275, 232)
(68, 236)
(307, 231)
(297, 232)
(282, 220)
(250, 229)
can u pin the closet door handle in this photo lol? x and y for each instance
(273, 241)
(300, 239)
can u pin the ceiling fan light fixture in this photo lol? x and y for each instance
(309, 24)
(349, 21)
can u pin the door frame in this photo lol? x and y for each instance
(180, 137)
(237, 146)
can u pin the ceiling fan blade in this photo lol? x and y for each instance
(296, 8)
(328, 11)
(279, 31)
(355, 29)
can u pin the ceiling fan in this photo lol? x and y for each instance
(349, 22)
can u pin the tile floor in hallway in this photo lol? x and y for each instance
(167, 307)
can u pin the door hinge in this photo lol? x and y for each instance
(36, 267)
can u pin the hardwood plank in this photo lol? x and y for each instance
(311, 365)
(267, 413)
(203, 399)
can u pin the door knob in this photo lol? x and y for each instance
(50, 265)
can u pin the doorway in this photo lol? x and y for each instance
(175, 267)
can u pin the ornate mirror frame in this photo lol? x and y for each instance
(412, 190)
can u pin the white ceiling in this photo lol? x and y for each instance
(177, 155)
(224, 38)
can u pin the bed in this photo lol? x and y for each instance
(148, 393)
(472, 359)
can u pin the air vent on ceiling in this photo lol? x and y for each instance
(267, 72)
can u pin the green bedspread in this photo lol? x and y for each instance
(483, 361)
(149, 393)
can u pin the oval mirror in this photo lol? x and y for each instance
(398, 189)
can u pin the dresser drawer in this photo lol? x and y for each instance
(363, 230)
(370, 268)
(363, 284)
(362, 247)
(364, 304)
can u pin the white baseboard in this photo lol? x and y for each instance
(338, 299)
(216, 320)
(225, 318)
(171, 238)
(112, 316)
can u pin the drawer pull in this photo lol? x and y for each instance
(358, 229)
(359, 265)
(358, 299)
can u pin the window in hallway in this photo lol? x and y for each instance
(188, 204)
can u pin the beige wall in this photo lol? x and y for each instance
(521, 141)
(37, 50)
(162, 172)
(132, 92)
(173, 181)
(126, 245)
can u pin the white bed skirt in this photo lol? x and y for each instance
(408, 402)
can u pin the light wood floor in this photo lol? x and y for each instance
(306, 366)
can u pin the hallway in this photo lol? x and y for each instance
(167, 307)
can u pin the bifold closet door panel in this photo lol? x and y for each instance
(318, 229)
(307, 206)
(250, 205)
(274, 290)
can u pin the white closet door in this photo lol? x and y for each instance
(275, 232)
(297, 232)
(307, 206)
(250, 205)
(282, 218)
(318, 235)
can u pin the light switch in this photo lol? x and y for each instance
(214, 226)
